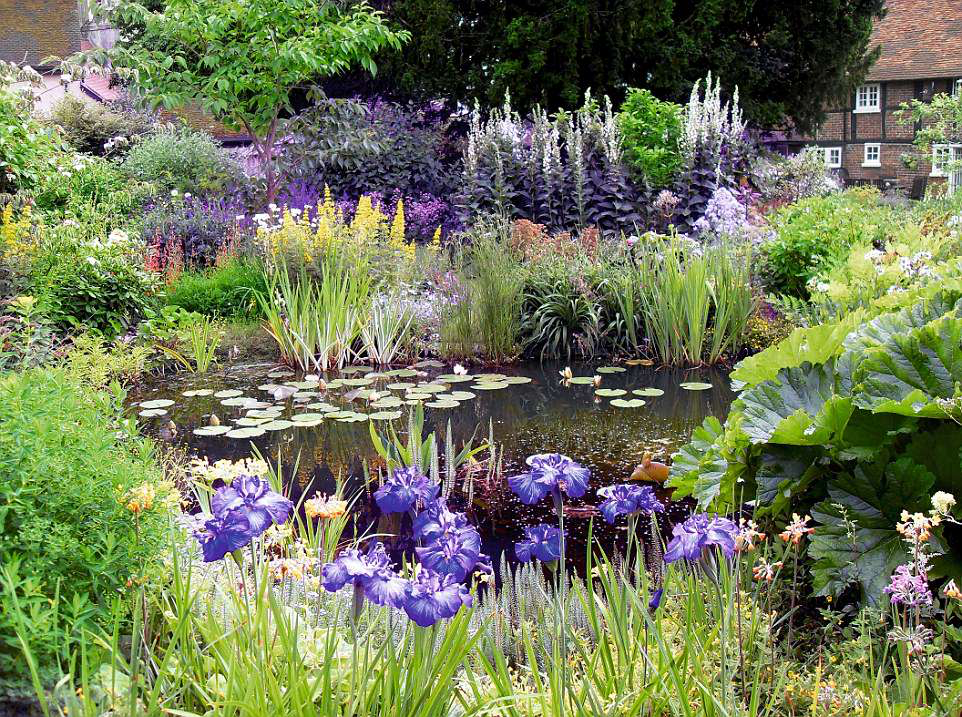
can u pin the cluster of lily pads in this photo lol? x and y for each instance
(359, 385)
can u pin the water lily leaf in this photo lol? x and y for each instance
(265, 412)
(157, 403)
(640, 362)
(337, 415)
(428, 363)
(442, 404)
(278, 425)
(430, 388)
(489, 377)
(246, 401)
(322, 406)
(251, 421)
(153, 412)
(388, 402)
(211, 430)
(229, 393)
(459, 395)
(385, 415)
(334, 383)
(307, 417)
(363, 381)
(455, 378)
(280, 373)
(402, 373)
(400, 386)
(353, 418)
(349, 370)
(581, 380)
(611, 369)
(417, 397)
(491, 386)
(517, 380)
(251, 432)
(610, 392)
(627, 403)
(304, 385)
(695, 385)
(798, 407)
(653, 392)
(198, 392)
(269, 387)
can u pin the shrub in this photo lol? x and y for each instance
(225, 291)
(95, 128)
(651, 130)
(91, 191)
(785, 180)
(358, 147)
(815, 234)
(182, 160)
(27, 148)
(565, 172)
(195, 231)
(102, 288)
(66, 532)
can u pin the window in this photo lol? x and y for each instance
(833, 157)
(867, 98)
(873, 155)
(957, 87)
(942, 156)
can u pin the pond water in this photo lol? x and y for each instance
(322, 434)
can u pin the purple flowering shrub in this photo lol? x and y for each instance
(196, 229)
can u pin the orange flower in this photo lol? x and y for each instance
(952, 591)
(325, 508)
(141, 498)
(796, 529)
(764, 570)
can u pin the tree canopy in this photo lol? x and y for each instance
(788, 58)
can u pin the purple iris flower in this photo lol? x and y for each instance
(656, 599)
(626, 499)
(542, 541)
(369, 573)
(699, 532)
(252, 496)
(436, 519)
(550, 473)
(430, 597)
(403, 489)
(223, 535)
(455, 552)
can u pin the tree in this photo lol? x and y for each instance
(788, 59)
(241, 61)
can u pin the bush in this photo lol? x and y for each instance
(194, 231)
(102, 288)
(92, 191)
(182, 160)
(95, 128)
(651, 130)
(66, 530)
(815, 234)
(27, 148)
(225, 291)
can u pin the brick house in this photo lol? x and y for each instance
(921, 55)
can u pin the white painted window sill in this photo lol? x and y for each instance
(871, 164)
(866, 110)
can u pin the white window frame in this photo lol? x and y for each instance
(826, 156)
(956, 86)
(877, 162)
(864, 102)
(954, 154)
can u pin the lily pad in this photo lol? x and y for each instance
(429, 363)
(489, 377)
(455, 378)
(153, 412)
(400, 386)
(212, 430)
(268, 413)
(608, 392)
(490, 386)
(385, 415)
(430, 388)
(229, 393)
(628, 403)
(517, 380)
(654, 392)
(363, 381)
(695, 386)
(280, 373)
(338, 415)
(349, 370)
(240, 401)
(251, 421)
(250, 432)
(611, 369)
(459, 395)
(269, 387)
(157, 403)
(278, 425)
(307, 417)
(198, 392)
(402, 373)
(581, 380)
(322, 406)
(389, 402)
(442, 404)
(640, 362)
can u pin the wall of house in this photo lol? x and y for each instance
(32, 30)
(852, 130)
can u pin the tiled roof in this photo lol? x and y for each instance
(920, 39)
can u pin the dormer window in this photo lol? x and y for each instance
(867, 98)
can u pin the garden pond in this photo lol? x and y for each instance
(321, 429)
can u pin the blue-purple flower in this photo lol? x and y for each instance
(223, 535)
(542, 541)
(698, 532)
(431, 596)
(655, 600)
(369, 573)
(626, 499)
(437, 519)
(454, 552)
(403, 489)
(252, 496)
(550, 473)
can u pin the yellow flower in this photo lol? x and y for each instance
(141, 498)
(325, 508)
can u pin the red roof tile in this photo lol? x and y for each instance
(920, 39)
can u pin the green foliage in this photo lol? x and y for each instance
(815, 234)
(939, 122)
(562, 310)
(180, 159)
(105, 289)
(95, 128)
(852, 422)
(68, 544)
(97, 363)
(90, 191)
(226, 291)
(650, 130)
